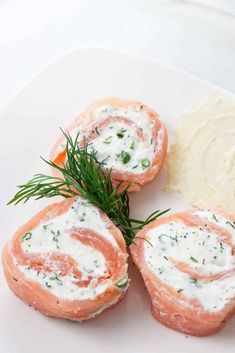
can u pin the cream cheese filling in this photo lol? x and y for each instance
(54, 236)
(203, 251)
(118, 144)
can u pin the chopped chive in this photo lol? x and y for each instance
(135, 166)
(122, 283)
(165, 258)
(48, 285)
(27, 236)
(125, 157)
(108, 140)
(132, 146)
(193, 259)
(120, 135)
(145, 162)
(203, 261)
(179, 290)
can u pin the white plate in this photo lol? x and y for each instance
(29, 125)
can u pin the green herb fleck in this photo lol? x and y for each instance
(165, 258)
(161, 270)
(179, 290)
(108, 140)
(193, 280)
(56, 278)
(221, 246)
(193, 259)
(122, 283)
(132, 146)
(27, 236)
(125, 157)
(145, 162)
(231, 225)
(120, 134)
(215, 218)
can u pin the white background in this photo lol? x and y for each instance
(195, 38)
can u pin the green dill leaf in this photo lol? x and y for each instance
(82, 174)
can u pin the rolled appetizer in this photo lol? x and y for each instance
(68, 261)
(188, 266)
(127, 137)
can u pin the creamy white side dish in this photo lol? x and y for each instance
(204, 251)
(201, 162)
(118, 144)
(55, 236)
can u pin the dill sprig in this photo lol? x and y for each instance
(84, 175)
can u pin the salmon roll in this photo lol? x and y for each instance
(127, 136)
(188, 266)
(69, 261)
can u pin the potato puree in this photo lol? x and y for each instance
(201, 161)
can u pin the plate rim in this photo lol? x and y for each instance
(88, 48)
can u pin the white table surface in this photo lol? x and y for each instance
(194, 38)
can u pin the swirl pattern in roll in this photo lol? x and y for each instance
(128, 137)
(68, 261)
(188, 266)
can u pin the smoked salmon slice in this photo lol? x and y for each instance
(127, 136)
(188, 266)
(68, 261)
